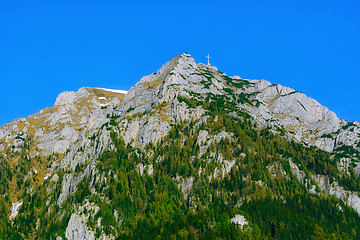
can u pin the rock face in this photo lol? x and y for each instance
(66, 140)
(66, 97)
(351, 198)
(77, 227)
(14, 210)
(302, 116)
(240, 220)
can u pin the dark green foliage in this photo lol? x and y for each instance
(244, 98)
(215, 104)
(302, 216)
(152, 206)
(6, 230)
(19, 137)
(190, 102)
(105, 125)
(346, 151)
(34, 208)
(206, 84)
(235, 82)
(326, 136)
(113, 122)
(349, 124)
(207, 74)
(83, 190)
(130, 109)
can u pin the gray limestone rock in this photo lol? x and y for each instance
(185, 185)
(70, 97)
(350, 198)
(77, 228)
(240, 220)
(202, 137)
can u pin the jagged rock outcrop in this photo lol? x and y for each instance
(240, 220)
(66, 98)
(349, 197)
(302, 116)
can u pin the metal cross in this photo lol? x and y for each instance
(208, 57)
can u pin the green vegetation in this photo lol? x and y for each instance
(326, 136)
(215, 104)
(6, 230)
(130, 109)
(349, 124)
(238, 83)
(34, 208)
(152, 206)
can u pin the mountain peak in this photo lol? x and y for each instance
(69, 97)
(190, 138)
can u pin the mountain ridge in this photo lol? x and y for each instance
(62, 146)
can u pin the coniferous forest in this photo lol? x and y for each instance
(277, 206)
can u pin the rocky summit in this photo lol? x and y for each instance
(186, 153)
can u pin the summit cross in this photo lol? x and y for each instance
(208, 57)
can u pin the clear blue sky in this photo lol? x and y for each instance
(47, 47)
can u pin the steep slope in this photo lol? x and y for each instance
(35, 149)
(188, 152)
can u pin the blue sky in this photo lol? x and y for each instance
(47, 47)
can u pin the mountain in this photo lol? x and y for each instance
(186, 153)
